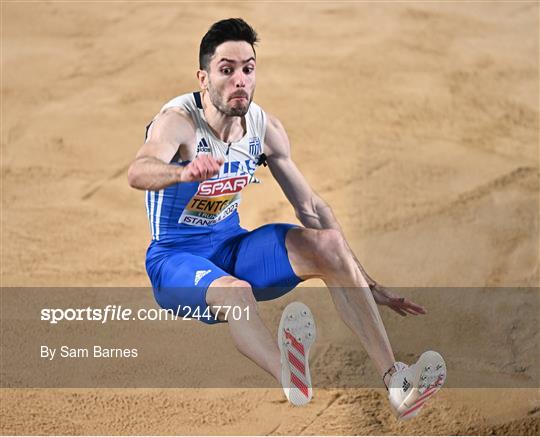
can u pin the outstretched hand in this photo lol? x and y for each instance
(400, 305)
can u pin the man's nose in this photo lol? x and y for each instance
(240, 80)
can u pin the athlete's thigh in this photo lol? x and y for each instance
(304, 250)
(260, 258)
(183, 282)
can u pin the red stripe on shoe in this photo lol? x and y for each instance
(427, 394)
(297, 345)
(296, 381)
(296, 363)
(420, 401)
(413, 409)
(439, 381)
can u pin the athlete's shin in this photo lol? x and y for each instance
(359, 311)
(249, 333)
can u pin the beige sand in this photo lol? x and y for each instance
(417, 122)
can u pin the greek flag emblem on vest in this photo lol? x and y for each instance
(254, 146)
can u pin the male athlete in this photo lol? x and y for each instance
(201, 150)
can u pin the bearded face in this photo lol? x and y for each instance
(234, 105)
(230, 80)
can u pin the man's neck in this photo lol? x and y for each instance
(226, 128)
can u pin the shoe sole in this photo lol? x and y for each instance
(428, 379)
(296, 334)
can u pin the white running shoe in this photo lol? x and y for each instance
(296, 334)
(411, 386)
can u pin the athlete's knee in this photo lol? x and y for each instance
(231, 293)
(240, 293)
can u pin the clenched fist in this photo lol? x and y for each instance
(203, 167)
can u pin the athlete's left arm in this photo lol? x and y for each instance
(312, 211)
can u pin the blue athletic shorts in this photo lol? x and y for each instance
(181, 271)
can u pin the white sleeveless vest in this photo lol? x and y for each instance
(193, 207)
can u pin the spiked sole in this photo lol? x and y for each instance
(429, 377)
(296, 334)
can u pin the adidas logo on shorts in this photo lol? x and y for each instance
(199, 274)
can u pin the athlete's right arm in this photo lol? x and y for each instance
(151, 169)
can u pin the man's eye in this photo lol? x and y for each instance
(226, 70)
(248, 70)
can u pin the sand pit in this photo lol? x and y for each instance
(417, 122)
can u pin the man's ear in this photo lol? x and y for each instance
(202, 77)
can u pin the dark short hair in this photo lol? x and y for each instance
(231, 29)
